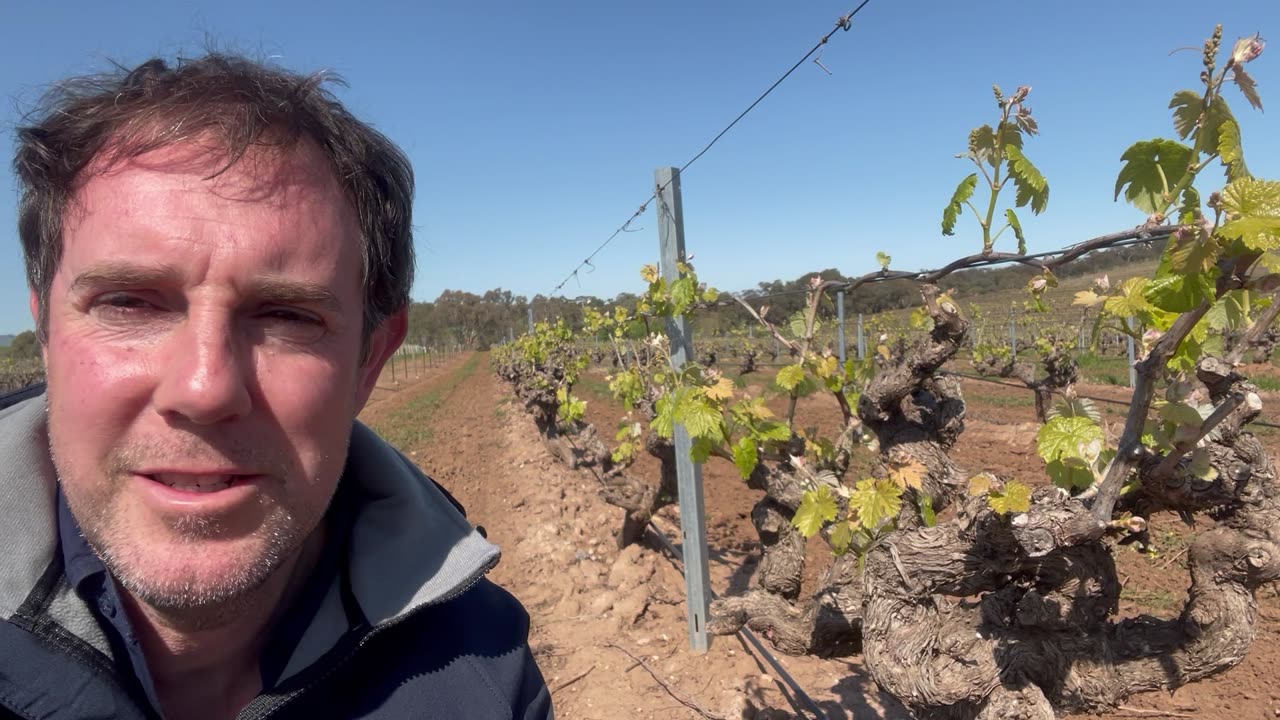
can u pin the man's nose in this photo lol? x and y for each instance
(205, 372)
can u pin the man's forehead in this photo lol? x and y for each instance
(269, 171)
(280, 203)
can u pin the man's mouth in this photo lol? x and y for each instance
(198, 482)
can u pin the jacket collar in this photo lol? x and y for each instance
(409, 546)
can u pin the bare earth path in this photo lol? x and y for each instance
(585, 597)
(595, 611)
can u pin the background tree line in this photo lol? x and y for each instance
(460, 318)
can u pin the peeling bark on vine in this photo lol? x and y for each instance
(987, 616)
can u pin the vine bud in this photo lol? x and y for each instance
(1247, 49)
(1215, 200)
(1102, 284)
(1150, 338)
(1021, 94)
(1211, 46)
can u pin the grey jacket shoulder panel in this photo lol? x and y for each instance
(409, 547)
(27, 492)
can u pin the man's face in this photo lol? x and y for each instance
(204, 365)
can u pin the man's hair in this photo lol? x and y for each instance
(102, 119)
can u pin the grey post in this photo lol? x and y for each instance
(1132, 324)
(862, 340)
(697, 577)
(1013, 335)
(530, 318)
(840, 323)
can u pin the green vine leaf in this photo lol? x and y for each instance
(1031, 185)
(876, 501)
(664, 422)
(1151, 169)
(1180, 413)
(789, 377)
(700, 450)
(745, 457)
(1072, 437)
(773, 431)
(1013, 498)
(952, 211)
(1255, 205)
(799, 326)
(841, 537)
(982, 144)
(1192, 252)
(1230, 312)
(1190, 210)
(1230, 151)
(700, 419)
(1186, 106)
(981, 484)
(1130, 301)
(816, 507)
(1017, 230)
(684, 292)
(1076, 407)
(1070, 473)
(927, 513)
(883, 259)
(1180, 293)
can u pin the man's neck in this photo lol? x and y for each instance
(207, 668)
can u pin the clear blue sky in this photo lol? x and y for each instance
(535, 127)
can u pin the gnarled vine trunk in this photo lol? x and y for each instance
(915, 417)
(643, 496)
(988, 616)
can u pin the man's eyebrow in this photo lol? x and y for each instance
(119, 275)
(271, 289)
(295, 292)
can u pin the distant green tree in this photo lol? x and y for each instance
(24, 346)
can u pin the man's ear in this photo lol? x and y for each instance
(383, 342)
(33, 302)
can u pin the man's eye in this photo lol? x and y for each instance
(290, 325)
(121, 303)
(293, 316)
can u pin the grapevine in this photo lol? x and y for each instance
(975, 595)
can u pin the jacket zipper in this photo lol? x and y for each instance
(266, 712)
